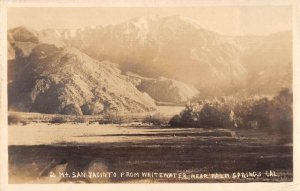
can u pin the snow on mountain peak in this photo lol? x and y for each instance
(143, 27)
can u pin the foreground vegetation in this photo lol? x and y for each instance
(274, 114)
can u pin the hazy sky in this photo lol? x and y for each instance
(228, 20)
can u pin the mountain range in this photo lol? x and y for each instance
(175, 59)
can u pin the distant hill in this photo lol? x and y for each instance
(164, 89)
(63, 80)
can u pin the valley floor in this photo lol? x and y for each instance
(136, 153)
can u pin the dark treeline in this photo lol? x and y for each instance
(275, 114)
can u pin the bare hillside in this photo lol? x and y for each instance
(63, 80)
(164, 89)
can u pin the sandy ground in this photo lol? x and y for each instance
(43, 133)
(84, 133)
(37, 150)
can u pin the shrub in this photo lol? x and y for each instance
(58, 120)
(252, 113)
(281, 112)
(110, 118)
(14, 119)
(154, 120)
(215, 116)
(176, 121)
(79, 120)
(273, 115)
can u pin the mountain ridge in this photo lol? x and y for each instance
(66, 81)
(173, 47)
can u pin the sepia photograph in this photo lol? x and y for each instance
(166, 94)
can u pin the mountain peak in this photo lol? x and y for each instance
(173, 18)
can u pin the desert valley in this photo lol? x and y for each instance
(152, 94)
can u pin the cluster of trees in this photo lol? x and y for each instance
(258, 113)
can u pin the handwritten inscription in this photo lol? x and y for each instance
(166, 175)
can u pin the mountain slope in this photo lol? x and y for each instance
(174, 47)
(164, 89)
(173, 91)
(63, 80)
(269, 64)
(179, 48)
